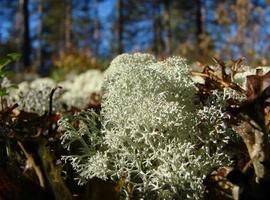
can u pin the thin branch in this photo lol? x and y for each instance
(51, 99)
(32, 164)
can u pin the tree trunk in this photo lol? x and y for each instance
(157, 42)
(242, 11)
(18, 35)
(120, 26)
(199, 25)
(167, 26)
(25, 46)
(68, 24)
(97, 28)
(40, 37)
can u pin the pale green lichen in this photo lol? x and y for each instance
(152, 132)
(79, 88)
(34, 96)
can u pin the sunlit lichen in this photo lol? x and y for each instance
(152, 131)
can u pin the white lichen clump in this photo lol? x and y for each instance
(80, 88)
(152, 132)
(34, 96)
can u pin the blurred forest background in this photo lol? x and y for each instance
(65, 35)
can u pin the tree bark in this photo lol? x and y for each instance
(120, 26)
(157, 42)
(167, 26)
(25, 46)
(18, 35)
(199, 25)
(97, 28)
(40, 37)
(68, 24)
(242, 11)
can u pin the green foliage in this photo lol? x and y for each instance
(8, 59)
(5, 73)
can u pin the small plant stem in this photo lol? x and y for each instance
(32, 164)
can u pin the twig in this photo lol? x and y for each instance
(51, 99)
(32, 164)
(211, 75)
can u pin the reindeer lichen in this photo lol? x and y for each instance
(153, 133)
